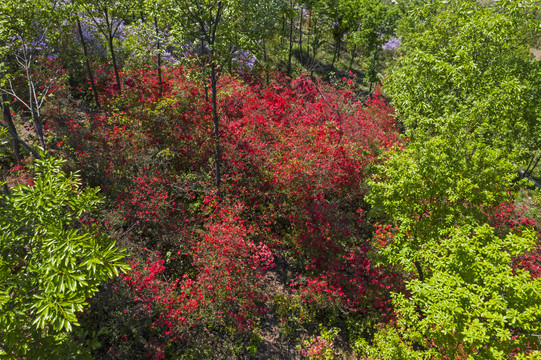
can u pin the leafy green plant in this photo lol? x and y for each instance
(255, 343)
(475, 304)
(321, 347)
(445, 195)
(50, 264)
(292, 315)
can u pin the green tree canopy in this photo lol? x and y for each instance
(466, 69)
(464, 89)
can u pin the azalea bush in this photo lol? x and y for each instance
(296, 157)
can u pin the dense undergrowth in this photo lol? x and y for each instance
(285, 238)
(278, 262)
(335, 228)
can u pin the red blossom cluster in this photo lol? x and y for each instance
(295, 155)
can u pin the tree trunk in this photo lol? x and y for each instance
(115, 67)
(352, 57)
(283, 34)
(266, 62)
(308, 36)
(34, 109)
(112, 50)
(213, 83)
(216, 121)
(13, 131)
(300, 34)
(87, 63)
(529, 171)
(337, 51)
(290, 41)
(158, 45)
(11, 128)
(314, 46)
(420, 272)
(204, 64)
(373, 72)
(230, 62)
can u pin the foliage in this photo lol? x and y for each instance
(50, 266)
(213, 253)
(437, 183)
(321, 347)
(486, 313)
(466, 69)
(324, 230)
(444, 198)
(369, 24)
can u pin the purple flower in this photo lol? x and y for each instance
(120, 30)
(391, 45)
(92, 38)
(26, 46)
(245, 59)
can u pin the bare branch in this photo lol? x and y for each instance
(14, 94)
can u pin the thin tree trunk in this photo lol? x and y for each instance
(266, 63)
(337, 51)
(529, 164)
(87, 63)
(112, 50)
(300, 34)
(284, 24)
(230, 61)
(314, 47)
(374, 62)
(290, 41)
(23, 143)
(115, 67)
(352, 57)
(533, 167)
(419, 271)
(11, 128)
(204, 64)
(418, 309)
(308, 36)
(34, 108)
(158, 45)
(216, 121)
(214, 82)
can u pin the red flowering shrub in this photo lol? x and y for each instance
(231, 269)
(321, 347)
(508, 217)
(226, 292)
(299, 152)
(148, 199)
(295, 160)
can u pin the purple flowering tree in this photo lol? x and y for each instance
(108, 18)
(83, 36)
(391, 45)
(24, 47)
